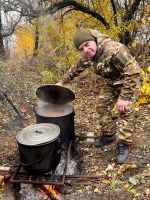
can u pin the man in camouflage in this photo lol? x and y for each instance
(121, 85)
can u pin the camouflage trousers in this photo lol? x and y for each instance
(114, 122)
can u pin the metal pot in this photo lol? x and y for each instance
(39, 147)
(61, 115)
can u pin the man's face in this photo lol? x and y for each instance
(88, 49)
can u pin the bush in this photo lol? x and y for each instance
(50, 77)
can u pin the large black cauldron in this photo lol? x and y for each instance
(39, 148)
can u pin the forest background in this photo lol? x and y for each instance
(41, 31)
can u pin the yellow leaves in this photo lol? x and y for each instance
(137, 106)
(144, 96)
(125, 167)
(126, 186)
(133, 191)
(24, 41)
(142, 100)
(144, 88)
(148, 69)
(106, 181)
(145, 93)
(143, 73)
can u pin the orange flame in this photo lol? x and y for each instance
(51, 189)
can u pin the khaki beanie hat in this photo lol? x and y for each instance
(82, 36)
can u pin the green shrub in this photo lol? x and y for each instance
(50, 77)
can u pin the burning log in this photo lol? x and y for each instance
(50, 191)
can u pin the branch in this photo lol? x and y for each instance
(64, 4)
(26, 5)
(115, 12)
(130, 13)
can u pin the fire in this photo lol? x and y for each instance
(51, 189)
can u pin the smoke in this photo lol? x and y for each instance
(53, 110)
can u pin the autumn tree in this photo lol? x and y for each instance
(7, 27)
(122, 14)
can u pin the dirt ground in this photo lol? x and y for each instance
(128, 181)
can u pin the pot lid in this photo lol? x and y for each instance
(38, 134)
(55, 94)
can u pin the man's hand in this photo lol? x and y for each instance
(122, 106)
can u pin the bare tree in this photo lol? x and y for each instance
(7, 29)
(49, 7)
(32, 9)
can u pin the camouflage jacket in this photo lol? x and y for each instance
(113, 62)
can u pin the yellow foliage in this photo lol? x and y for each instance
(24, 41)
(144, 96)
(148, 68)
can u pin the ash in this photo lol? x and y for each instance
(71, 165)
(29, 192)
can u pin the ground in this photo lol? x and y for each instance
(128, 181)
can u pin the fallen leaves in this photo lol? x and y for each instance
(125, 167)
(107, 181)
(147, 191)
(134, 180)
(109, 168)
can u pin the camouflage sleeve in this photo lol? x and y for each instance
(131, 74)
(80, 66)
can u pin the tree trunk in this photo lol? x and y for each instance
(2, 49)
(36, 43)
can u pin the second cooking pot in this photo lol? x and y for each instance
(39, 147)
(61, 115)
(56, 110)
